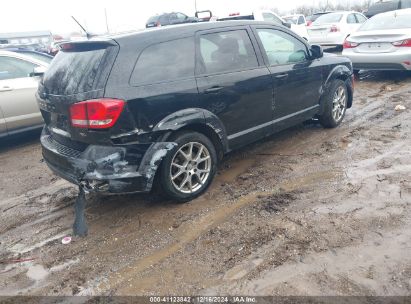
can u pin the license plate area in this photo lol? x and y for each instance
(59, 121)
(374, 46)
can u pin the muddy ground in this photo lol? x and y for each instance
(308, 211)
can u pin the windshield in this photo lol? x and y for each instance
(328, 18)
(387, 22)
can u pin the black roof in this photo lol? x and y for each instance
(180, 31)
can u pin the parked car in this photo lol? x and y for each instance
(167, 104)
(382, 43)
(30, 53)
(387, 6)
(298, 24)
(297, 19)
(268, 16)
(19, 77)
(332, 29)
(315, 16)
(169, 19)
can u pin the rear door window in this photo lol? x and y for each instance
(226, 51)
(166, 61)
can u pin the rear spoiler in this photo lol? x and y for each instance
(87, 45)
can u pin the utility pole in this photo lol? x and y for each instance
(195, 5)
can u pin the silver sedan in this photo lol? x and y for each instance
(19, 77)
(382, 43)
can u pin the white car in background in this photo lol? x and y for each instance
(298, 24)
(332, 29)
(382, 43)
(19, 78)
(269, 16)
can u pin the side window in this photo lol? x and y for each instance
(226, 51)
(166, 61)
(282, 48)
(360, 18)
(11, 68)
(271, 18)
(301, 20)
(351, 19)
(181, 16)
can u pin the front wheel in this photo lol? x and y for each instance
(335, 104)
(187, 171)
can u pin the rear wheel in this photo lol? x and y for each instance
(187, 171)
(335, 104)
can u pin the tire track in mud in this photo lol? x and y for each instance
(204, 224)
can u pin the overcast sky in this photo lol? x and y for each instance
(54, 15)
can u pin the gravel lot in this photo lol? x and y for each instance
(308, 211)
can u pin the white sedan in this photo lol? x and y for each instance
(382, 43)
(332, 29)
(298, 25)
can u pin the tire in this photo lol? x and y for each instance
(335, 104)
(181, 168)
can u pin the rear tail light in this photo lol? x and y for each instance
(349, 45)
(334, 29)
(158, 24)
(234, 14)
(96, 113)
(309, 23)
(402, 43)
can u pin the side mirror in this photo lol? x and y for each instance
(316, 51)
(38, 71)
(287, 24)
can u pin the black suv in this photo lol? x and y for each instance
(166, 104)
(169, 19)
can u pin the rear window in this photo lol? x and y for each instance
(387, 22)
(328, 18)
(152, 19)
(73, 72)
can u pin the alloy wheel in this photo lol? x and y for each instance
(190, 167)
(339, 103)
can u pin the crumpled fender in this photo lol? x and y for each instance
(194, 117)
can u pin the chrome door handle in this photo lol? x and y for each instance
(213, 90)
(5, 89)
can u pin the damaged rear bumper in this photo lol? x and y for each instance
(105, 169)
